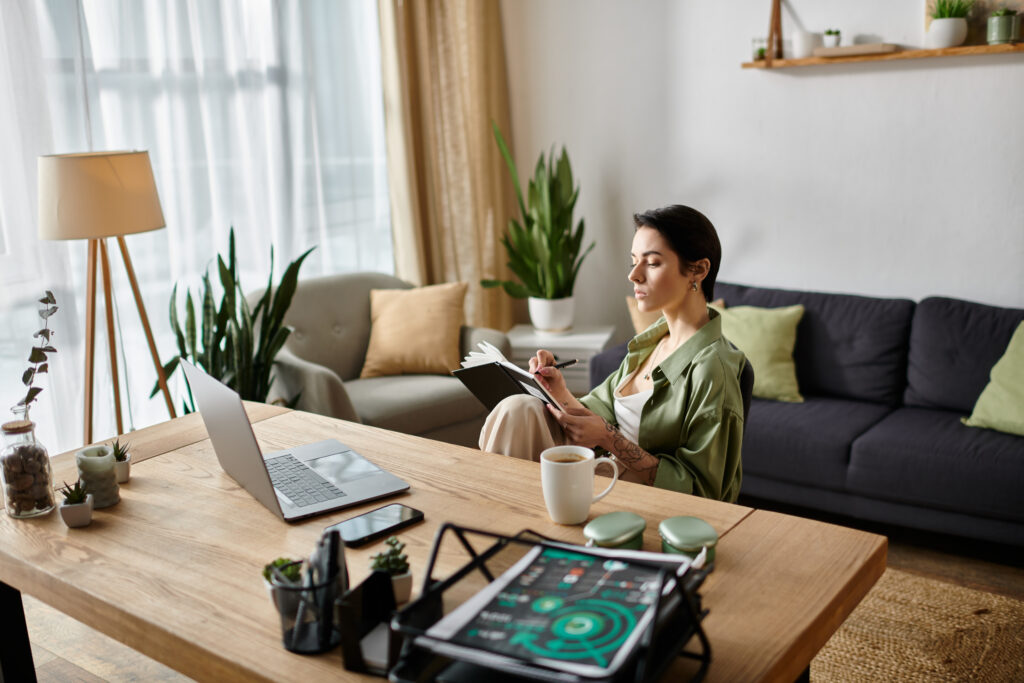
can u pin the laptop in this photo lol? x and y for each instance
(299, 482)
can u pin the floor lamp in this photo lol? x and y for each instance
(93, 196)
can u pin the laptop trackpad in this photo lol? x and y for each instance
(340, 468)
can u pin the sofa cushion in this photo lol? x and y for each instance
(767, 337)
(413, 404)
(953, 346)
(1001, 404)
(927, 457)
(807, 443)
(846, 346)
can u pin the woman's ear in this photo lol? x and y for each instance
(701, 267)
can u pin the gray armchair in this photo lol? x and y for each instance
(324, 355)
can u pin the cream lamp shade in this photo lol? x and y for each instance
(97, 194)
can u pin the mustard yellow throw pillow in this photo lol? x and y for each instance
(767, 337)
(1001, 404)
(415, 331)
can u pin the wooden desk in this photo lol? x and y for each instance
(174, 569)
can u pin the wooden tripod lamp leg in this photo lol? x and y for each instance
(111, 340)
(90, 338)
(161, 378)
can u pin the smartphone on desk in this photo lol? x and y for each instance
(374, 524)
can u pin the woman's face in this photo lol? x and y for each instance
(657, 283)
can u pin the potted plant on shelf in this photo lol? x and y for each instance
(949, 23)
(76, 510)
(122, 460)
(1003, 27)
(831, 37)
(544, 249)
(395, 563)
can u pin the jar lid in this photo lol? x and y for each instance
(18, 426)
(615, 528)
(688, 533)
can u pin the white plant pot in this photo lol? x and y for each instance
(402, 585)
(830, 40)
(79, 514)
(552, 316)
(946, 33)
(123, 469)
(804, 43)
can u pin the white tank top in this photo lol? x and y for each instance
(629, 408)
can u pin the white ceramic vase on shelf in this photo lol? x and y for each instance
(804, 43)
(946, 33)
(551, 316)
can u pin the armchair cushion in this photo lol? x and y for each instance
(414, 404)
(415, 331)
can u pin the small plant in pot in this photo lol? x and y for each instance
(544, 250)
(76, 510)
(284, 571)
(395, 563)
(122, 460)
(949, 24)
(1003, 27)
(831, 37)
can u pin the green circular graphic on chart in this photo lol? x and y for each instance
(579, 625)
(583, 630)
(547, 604)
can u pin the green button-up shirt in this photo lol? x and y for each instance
(693, 421)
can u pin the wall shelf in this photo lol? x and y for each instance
(964, 51)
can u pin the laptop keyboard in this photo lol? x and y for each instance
(302, 485)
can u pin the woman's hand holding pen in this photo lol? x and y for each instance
(544, 368)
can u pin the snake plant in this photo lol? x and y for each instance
(230, 341)
(544, 249)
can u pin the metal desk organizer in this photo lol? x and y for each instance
(629, 617)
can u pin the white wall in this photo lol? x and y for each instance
(889, 179)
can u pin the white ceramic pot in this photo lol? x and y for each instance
(831, 40)
(946, 33)
(402, 585)
(79, 514)
(552, 316)
(123, 469)
(804, 43)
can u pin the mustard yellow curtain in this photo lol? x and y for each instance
(445, 80)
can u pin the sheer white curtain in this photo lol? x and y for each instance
(259, 114)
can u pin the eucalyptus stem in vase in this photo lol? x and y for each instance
(24, 462)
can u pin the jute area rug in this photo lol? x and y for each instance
(909, 628)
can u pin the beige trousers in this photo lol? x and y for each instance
(521, 427)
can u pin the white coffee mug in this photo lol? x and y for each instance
(567, 478)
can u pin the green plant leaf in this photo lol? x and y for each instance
(47, 312)
(30, 396)
(28, 376)
(45, 367)
(48, 299)
(44, 333)
(190, 325)
(169, 369)
(36, 355)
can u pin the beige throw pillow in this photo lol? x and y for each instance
(415, 331)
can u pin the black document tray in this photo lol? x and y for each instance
(676, 618)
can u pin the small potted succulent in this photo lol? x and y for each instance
(949, 24)
(395, 563)
(122, 460)
(831, 38)
(284, 571)
(76, 510)
(1003, 27)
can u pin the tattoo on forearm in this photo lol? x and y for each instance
(630, 454)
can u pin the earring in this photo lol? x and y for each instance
(695, 286)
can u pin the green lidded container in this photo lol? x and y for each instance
(687, 535)
(620, 529)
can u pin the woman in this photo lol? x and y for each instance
(672, 414)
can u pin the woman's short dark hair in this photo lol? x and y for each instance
(691, 236)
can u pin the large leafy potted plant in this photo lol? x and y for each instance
(544, 248)
(231, 342)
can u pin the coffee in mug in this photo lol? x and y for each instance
(567, 479)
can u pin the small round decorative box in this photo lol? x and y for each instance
(620, 529)
(687, 535)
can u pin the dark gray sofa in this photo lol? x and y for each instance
(885, 383)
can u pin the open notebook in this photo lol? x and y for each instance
(491, 377)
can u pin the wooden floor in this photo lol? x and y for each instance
(67, 651)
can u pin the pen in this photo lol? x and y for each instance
(559, 366)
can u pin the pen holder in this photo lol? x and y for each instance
(307, 614)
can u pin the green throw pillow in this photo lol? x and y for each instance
(767, 337)
(1001, 404)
